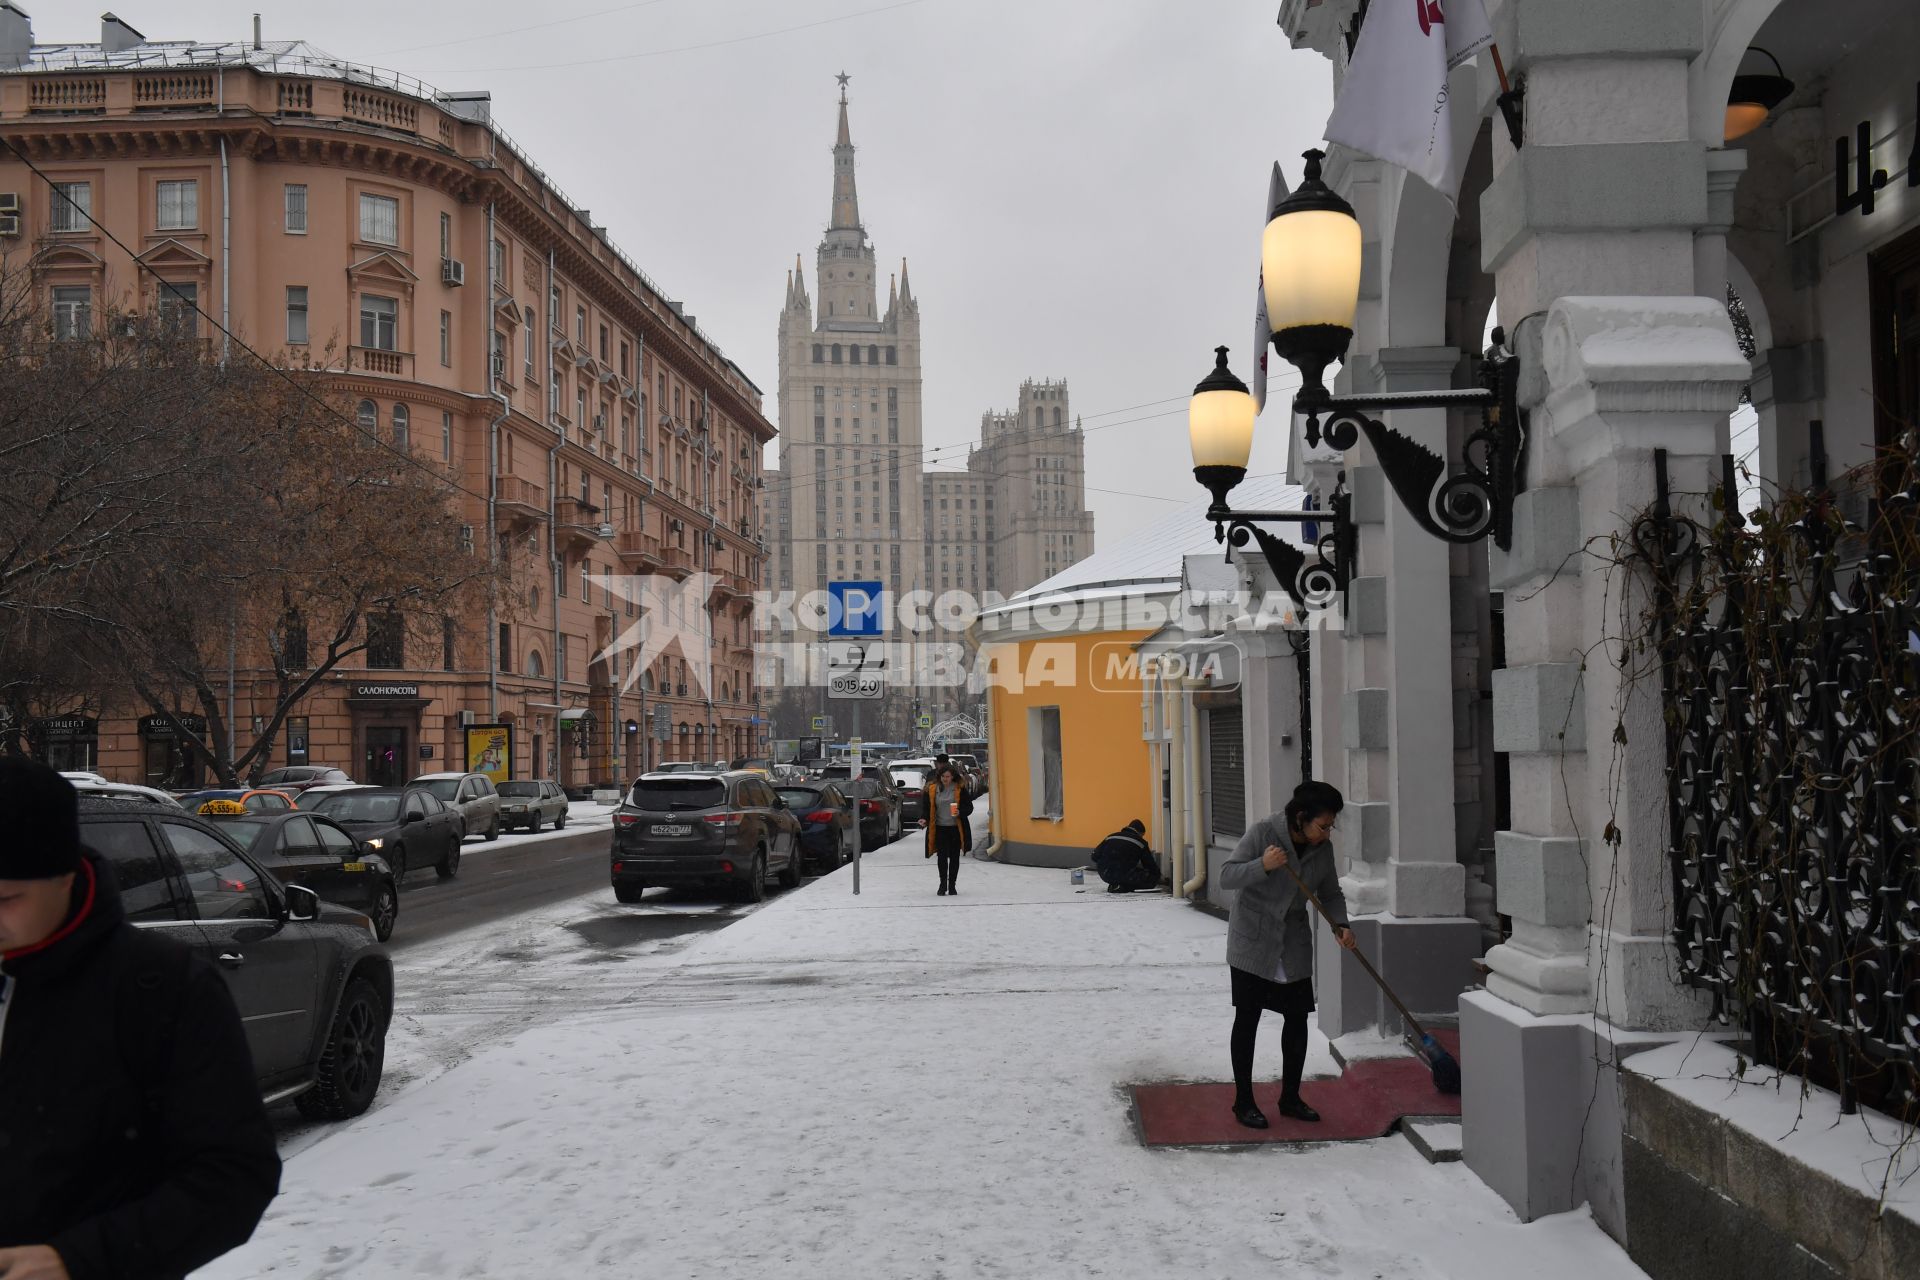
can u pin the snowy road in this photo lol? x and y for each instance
(894, 1085)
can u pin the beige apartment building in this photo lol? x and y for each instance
(473, 313)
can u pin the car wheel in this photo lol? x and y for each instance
(560, 823)
(493, 831)
(397, 859)
(790, 874)
(386, 910)
(755, 889)
(450, 865)
(533, 825)
(349, 1072)
(629, 892)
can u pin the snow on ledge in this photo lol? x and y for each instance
(1855, 1151)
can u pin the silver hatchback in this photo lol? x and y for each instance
(530, 802)
(471, 794)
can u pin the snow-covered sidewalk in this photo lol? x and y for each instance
(889, 1085)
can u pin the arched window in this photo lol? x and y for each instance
(400, 421)
(836, 353)
(1056, 415)
(893, 355)
(853, 354)
(1039, 416)
(534, 666)
(726, 694)
(367, 414)
(699, 732)
(873, 355)
(817, 352)
(646, 681)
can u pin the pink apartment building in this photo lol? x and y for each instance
(478, 316)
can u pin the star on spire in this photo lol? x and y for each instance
(843, 77)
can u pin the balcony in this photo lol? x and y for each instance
(577, 524)
(677, 561)
(390, 364)
(730, 585)
(519, 503)
(638, 549)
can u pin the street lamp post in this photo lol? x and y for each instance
(1310, 265)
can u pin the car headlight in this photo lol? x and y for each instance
(376, 844)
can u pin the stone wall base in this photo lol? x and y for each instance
(1428, 962)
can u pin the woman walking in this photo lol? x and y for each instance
(1270, 940)
(948, 831)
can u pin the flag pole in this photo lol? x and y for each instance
(1509, 97)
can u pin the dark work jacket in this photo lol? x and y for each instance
(132, 1135)
(1118, 852)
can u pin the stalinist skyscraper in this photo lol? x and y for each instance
(847, 500)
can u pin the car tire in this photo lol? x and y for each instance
(560, 823)
(790, 874)
(755, 889)
(533, 825)
(349, 1072)
(493, 832)
(629, 892)
(450, 864)
(397, 859)
(386, 910)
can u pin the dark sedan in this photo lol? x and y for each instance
(295, 778)
(879, 804)
(408, 827)
(310, 849)
(828, 828)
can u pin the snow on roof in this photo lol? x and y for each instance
(1152, 558)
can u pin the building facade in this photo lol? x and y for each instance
(472, 314)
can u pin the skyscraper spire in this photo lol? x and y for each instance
(906, 290)
(846, 202)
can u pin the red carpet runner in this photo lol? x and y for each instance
(1364, 1102)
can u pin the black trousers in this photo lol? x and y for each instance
(1293, 1001)
(946, 852)
(1141, 872)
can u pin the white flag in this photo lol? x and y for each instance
(1262, 330)
(1393, 102)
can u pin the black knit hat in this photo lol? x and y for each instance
(39, 821)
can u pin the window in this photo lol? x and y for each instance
(526, 339)
(497, 355)
(177, 306)
(379, 322)
(603, 344)
(534, 666)
(295, 202)
(446, 339)
(446, 436)
(580, 325)
(144, 891)
(817, 350)
(836, 353)
(177, 205)
(1043, 749)
(893, 355)
(297, 314)
(401, 420)
(221, 885)
(497, 263)
(586, 582)
(853, 354)
(367, 414)
(72, 312)
(505, 654)
(72, 203)
(386, 642)
(446, 644)
(553, 306)
(446, 235)
(626, 360)
(379, 219)
(293, 643)
(560, 657)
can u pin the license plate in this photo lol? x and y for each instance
(672, 829)
(353, 866)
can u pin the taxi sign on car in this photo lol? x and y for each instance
(221, 807)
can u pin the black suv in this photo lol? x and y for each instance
(314, 988)
(704, 828)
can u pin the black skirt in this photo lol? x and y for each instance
(1289, 999)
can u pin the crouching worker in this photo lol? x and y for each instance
(1124, 861)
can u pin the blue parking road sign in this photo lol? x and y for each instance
(853, 609)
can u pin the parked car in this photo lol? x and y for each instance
(910, 780)
(78, 776)
(703, 828)
(255, 800)
(313, 985)
(131, 792)
(530, 802)
(314, 795)
(829, 827)
(880, 805)
(755, 764)
(976, 774)
(471, 794)
(311, 849)
(295, 778)
(408, 827)
(684, 766)
(788, 775)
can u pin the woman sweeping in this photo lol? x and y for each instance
(1269, 938)
(949, 833)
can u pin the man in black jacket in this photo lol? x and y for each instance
(133, 1142)
(1124, 861)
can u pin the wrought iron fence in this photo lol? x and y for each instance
(1789, 648)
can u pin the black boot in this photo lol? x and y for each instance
(1249, 1114)
(1294, 1109)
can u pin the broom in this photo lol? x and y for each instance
(1446, 1071)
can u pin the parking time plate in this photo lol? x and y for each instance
(353, 866)
(672, 829)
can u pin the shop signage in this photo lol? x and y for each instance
(490, 750)
(386, 691)
(1865, 179)
(65, 728)
(161, 727)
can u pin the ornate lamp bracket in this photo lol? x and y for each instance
(1474, 503)
(1314, 582)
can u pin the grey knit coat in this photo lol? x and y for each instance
(1271, 922)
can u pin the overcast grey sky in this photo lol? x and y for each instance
(1076, 183)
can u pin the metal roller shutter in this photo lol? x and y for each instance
(1226, 772)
